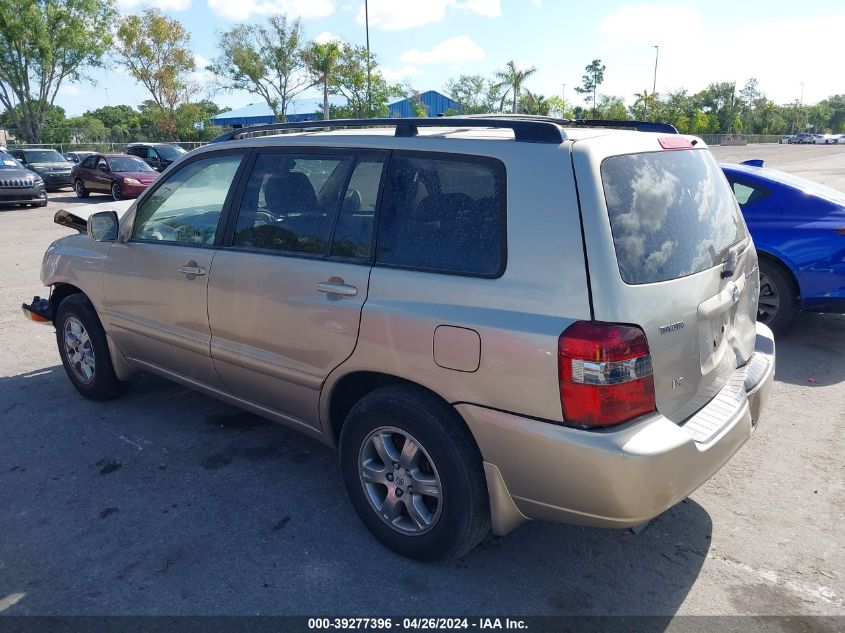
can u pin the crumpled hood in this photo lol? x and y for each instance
(76, 217)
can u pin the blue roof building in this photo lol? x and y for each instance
(435, 104)
(261, 113)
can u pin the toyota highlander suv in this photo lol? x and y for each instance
(493, 319)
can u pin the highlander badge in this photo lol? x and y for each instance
(672, 327)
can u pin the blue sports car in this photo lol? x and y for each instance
(798, 228)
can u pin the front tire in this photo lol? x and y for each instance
(777, 306)
(81, 191)
(116, 193)
(414, 474)
(84, 350)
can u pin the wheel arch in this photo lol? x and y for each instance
(347, 390)
(774, 260)
(62, 291)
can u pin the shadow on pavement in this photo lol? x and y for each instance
(812, 353)
(169, 502)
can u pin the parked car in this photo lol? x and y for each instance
(802, 138)
(53, 168)
(76, 157)
(119, 175)
(824, 139)
(798, 228)
(159, 156)
(418, 295)
(786, 139)
(18, 185)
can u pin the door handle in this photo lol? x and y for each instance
(191, 268)
(337, 288)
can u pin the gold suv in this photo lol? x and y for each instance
(494, 319)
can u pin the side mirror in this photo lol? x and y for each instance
(103, 226)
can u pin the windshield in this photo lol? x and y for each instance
(44, 156)
(672, 214)
(7, 162)
(128, 163)
(170, 152)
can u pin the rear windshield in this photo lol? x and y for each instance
(672, 214)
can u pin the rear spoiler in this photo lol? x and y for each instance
(754, 162)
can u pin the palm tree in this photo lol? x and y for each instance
(510, 81)
(322, 60)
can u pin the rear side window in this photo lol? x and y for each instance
(672, 214)
(444, 214)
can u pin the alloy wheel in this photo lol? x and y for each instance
(79, 350)
(80, 189)
(116, 193)
(400, 480)
(768, 304)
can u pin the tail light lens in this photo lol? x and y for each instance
(605, 373)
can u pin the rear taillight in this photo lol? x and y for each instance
(605, 373)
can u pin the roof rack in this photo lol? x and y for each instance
(639, 126)
(529, 130)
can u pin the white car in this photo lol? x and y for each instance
(824, 139)
(841, 139)
(786, 139)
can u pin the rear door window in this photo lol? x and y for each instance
(290, 202)
(672, 214)
(444, 213)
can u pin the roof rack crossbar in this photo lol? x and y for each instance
(524, 129)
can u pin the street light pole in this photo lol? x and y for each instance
(564, 100)
(656, 48)
(367, 27)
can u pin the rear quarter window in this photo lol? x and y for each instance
(672, 214)
(444, 213)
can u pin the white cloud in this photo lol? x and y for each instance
(489, 8)
(396, 15)
(200, 75)
(164, 5)
(454, 50)
(697, 49)
(399, 75)
(243, 9)
(327, 36)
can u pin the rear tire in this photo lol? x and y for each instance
(449, 512)
(81, 191)
(84, 350)
(778, 302)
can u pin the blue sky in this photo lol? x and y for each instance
(425, 42)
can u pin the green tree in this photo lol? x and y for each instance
(322, 61)
(611, 107)
(156, 51)
(530, 103)
(266, 60)
(350, 82)
(189, 115)
(510, 81)
(593, 77)
(475, 93)
(43, 44)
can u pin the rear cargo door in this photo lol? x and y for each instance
(669, 252)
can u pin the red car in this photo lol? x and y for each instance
(119, 175)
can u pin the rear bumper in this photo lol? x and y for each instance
(621, 477)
